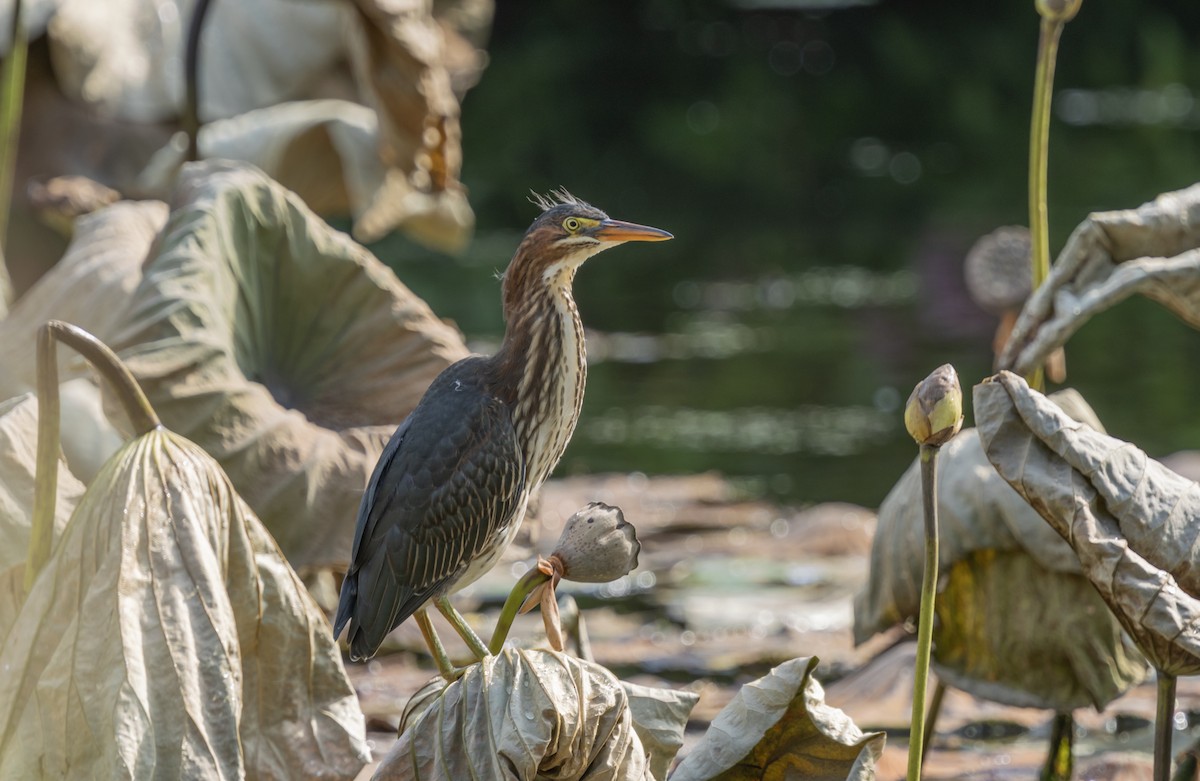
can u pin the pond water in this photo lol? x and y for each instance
(793, 384)
(825, 167)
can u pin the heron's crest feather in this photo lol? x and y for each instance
(556, 197)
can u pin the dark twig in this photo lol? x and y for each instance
(191, 78)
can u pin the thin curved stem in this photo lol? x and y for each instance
(1039, 143)
(525, 586)
(45, 481)
(577, 630)
(931, 719)
(191, 80)
(916, 748)
(133, 400)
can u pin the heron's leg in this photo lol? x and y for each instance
(459, 623)
(440, 657)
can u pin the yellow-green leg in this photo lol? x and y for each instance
(440, 657)
(460, 625)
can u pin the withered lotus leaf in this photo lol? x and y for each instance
(89, 286)
(1004, 574)
(167, 638)
(18, 444)
(326, 151)
(282, 348)
(660, 717)
(1153, 250)
(1131, 521)
(780, 727)
(523, 714)
(411, 63)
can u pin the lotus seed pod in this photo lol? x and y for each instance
(997, 269)
(597, 545)
(1058, 10)
(933, 413)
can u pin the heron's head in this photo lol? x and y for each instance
(564, 235)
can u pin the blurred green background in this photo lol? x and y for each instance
(824, 167)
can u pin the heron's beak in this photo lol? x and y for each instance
(616, 230)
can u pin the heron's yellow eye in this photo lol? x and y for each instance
(571, 224)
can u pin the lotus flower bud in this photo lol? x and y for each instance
(933, 413)
(597, 545)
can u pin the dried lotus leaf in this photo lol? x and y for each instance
(167, 637)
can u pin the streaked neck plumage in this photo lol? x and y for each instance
(541, 367)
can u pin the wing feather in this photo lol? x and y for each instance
(448, 482)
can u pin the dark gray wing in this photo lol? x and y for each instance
(447, 483)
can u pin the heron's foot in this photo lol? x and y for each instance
(452, 673)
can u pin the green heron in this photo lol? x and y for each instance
(451, 487)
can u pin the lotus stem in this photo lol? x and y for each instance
(525, 586)
(45, 480)
(578, 630)
(133, 400)
(935, 710)
(916, 744)
(12, 86)
(191, 81)
(1061, 760)
(1054, 16)
(137, 407)
(1164, 726)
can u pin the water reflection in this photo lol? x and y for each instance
(811, 429)
(1171, 104)
(701, 338)
(846, 287)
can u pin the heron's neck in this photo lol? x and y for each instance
(543, 366)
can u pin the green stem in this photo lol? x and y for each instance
(583, 642)
(1164, 726)
(525, 586)
(191, 81)
(136, 405)
(45, 480)
(925, 620)
(12, 87)
(935, 710)
(1061, 759)
(133, 400)
(1039, 143)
